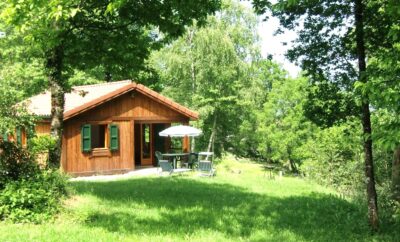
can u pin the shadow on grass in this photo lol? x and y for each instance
(187, 206)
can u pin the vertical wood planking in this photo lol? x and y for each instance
(138, 107)
(42, 128)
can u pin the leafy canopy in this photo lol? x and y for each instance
(115, 35)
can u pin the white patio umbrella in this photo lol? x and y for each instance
(180, 131)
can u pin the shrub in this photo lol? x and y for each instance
(396, 214)
(27, 193)
(334, 158)
(39, 147)
(15, 163)
(41, 144)
(389, 208)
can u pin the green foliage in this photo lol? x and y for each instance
(332, 36)
(333, 157)
(41, 144)
(261, 76)
(283, 126)
(113, 37)
(327, 59)
(27, 193)
(19, 78)
(207, 68)
(396, 213)
(389, 208)
(15, 163)
(327, 104)
(21, 75)
(12, 115)
(34, 199)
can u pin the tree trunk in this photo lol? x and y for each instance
(396, 174)
(293, 166)
(212, 136)
(192, 64)
(366, 119)
(54, 68)
(108, 76)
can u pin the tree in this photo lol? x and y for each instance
(333, 35)
(261, 76)
(113, 34)
(207, 68)
(284, 127)
(18, 71)
(384, 89)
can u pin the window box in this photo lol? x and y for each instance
(100, 152)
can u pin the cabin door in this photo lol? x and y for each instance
(146, 141)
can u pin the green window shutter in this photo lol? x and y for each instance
(19, 135)
(5, 136)
(86, 138)
(113, 128)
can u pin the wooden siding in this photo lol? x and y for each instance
(100, 160)
(23, 137)
(123, 111)
(133, 106)
(42, 128)
(186, 144)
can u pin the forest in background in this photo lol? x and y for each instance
(248, 104)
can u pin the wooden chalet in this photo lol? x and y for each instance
(111, 127)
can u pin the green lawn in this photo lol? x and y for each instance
(229, 207)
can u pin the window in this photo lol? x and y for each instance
(146, 140)
(98, 136)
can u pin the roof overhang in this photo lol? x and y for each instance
(125, 89)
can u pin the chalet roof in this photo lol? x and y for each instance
(83, 98)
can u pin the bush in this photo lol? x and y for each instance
(388, 207)
(39, 147)
(334, 158)
(27, 193)
(396, 214)
(41, 144)
(15, 163)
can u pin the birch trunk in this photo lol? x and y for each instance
(212, 136)
(192, 64)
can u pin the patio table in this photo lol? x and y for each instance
(270, 169)
(175, 156)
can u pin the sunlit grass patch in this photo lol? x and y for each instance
(232, 206)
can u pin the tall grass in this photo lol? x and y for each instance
(239, 204)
